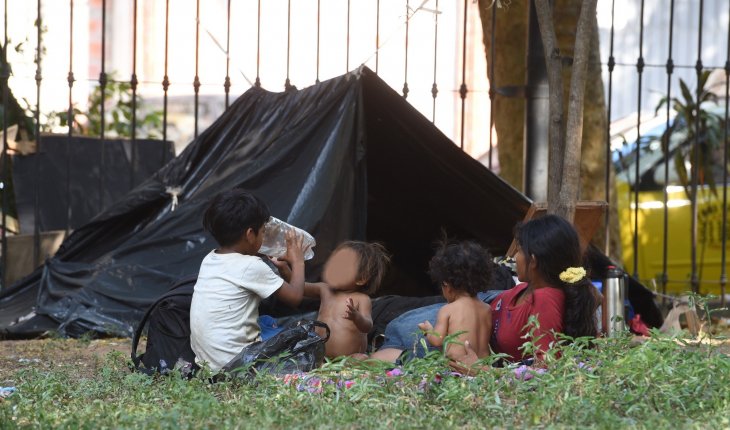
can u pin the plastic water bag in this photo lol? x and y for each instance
(274, 244)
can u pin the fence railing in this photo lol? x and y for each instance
(359, 27)
(695, 139)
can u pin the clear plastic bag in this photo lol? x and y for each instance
(274, 244)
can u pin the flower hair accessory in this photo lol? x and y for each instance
(571, 275)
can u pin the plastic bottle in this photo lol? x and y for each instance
(614, 296)
(274, 244)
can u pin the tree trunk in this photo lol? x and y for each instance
(510, 70)
(593, 148)
(556, 132)
(569, 190)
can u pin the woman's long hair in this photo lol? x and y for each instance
(555, 245)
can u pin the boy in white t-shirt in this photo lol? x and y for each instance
(233, 279)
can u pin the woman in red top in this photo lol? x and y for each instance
(554, 289)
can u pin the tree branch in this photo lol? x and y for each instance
(568, 194)
(554, 66)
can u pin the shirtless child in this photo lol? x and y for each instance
(462, 270)
(352, 272)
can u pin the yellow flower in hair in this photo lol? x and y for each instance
(571, 275)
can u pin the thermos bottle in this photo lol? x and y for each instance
(614, 298)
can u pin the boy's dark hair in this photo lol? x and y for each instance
(554, 243)
(466, 266)
(374, 261)
(230, 213)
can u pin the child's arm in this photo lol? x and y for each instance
(315, 290)
(292, 292)
(359, 312)
(435, 335)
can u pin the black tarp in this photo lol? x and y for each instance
(78, 161)
(346, 158)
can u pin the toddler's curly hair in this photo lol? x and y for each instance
(464, 265)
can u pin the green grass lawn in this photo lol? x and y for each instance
(662, 383)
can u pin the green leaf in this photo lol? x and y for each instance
(686, 93)
(682, 172)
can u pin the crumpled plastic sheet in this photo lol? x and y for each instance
(7, 391)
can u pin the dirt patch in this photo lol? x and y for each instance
(86, 356)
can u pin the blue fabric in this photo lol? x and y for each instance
(403, 333)
(269, 327)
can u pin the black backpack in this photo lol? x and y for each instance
(168, 336)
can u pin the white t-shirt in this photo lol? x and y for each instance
(224, 309)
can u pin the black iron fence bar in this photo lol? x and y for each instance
(611, 65)
(434, 87)
(492, 81)
(5, 78)
(640, 70)
(196, 81)
(37, 198)
(102, 86)
(165, 78)
(723, 256)
(258, 45)
(227, 81)
(405, 67)
(347, 48)
(377, 34)
(462, 88)
(316, 80)
(133, 83)
(70, 116)
(676, 66)
(110, 80)
(287, 83)
(696, 157)
(670, 70)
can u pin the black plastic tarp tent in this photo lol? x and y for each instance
(346, 158)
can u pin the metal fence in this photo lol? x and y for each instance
(376, 38)
(665, 39)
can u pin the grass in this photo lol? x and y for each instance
(662, 383)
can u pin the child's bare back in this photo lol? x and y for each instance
(471, 316)
(337, 310)
(461, 270)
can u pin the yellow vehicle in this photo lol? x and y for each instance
(650, 237)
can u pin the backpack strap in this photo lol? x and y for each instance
(138, 333)
(173, 291)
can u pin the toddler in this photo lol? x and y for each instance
(352, 272)
(462, 270)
